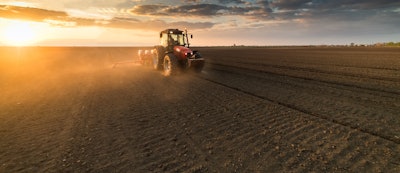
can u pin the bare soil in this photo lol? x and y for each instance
(252, 109)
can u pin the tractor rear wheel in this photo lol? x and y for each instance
(158, 56)
(170, 65)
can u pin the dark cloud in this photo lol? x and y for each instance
(191, 1)
(345, 18)
(198, 10)
(306, 10)
(354, 4)
(290, 4)
(155, 25)
(232, 1)
(219, 1)
(338, 10)
(201, 10)
(351, 10)
(190, 10)
(319, 5)
(154, 10)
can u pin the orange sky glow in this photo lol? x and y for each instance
(212, 22)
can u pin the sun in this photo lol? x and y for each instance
(19, 33)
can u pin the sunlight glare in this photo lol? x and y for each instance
(19, 33)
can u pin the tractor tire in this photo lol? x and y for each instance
(157, 58)
(171, 66)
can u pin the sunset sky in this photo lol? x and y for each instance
(212, 22)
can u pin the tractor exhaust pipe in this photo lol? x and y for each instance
(187, 38)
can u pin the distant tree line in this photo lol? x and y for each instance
(393, 44)
(383, 44)
(388, 44)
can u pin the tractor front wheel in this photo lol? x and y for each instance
(170, 65)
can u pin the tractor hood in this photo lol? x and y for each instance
(182, 52)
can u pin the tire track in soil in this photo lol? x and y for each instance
(348, 83)
(341, 90)
(387, 133)
(334, 90)
(277, 140)
(312, 70)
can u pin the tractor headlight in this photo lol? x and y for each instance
(188, 54)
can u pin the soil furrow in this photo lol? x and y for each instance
(300, 109)
(294, 75)
(249, 65)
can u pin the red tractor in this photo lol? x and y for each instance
(173, 54)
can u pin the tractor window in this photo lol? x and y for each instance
(177, 39)
(164, 40)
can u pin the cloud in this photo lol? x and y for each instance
(322, 5)
(155, 25)
(79, 4)
(62, 19)
(211, 13)
(27, 13)
(191, 1)
(354, 4)
(198, 10)
(153, 10)
(51, 17)
(290, 4)
(232, 1)
(190, 10)
(194, 10)
(321, 10)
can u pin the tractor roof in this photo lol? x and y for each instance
(172, 31)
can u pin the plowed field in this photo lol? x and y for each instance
(252, 109)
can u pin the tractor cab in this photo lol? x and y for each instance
(173, 37)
